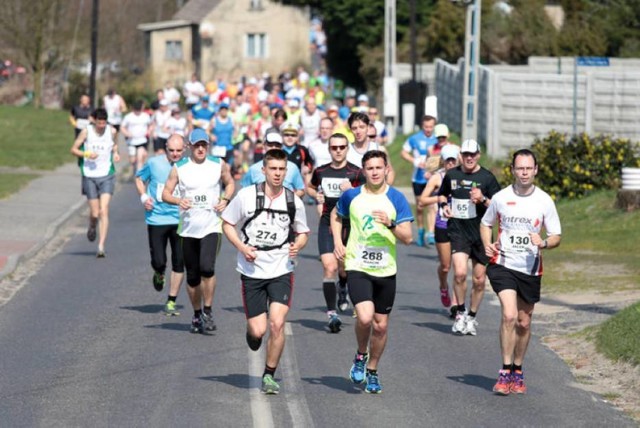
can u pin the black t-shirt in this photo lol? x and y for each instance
(457, 184)
(300, 156)
(79, 112)
(327, 179)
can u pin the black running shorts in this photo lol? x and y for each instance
(475, 249)
(257, 294)
(200, 257)
(379, 290)
(527, 286)
(325, 237)
(441, 236)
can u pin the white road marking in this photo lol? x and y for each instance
(294, 393)
(260, 406)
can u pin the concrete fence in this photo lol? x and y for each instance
(519, 103)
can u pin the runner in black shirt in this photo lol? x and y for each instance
(328, 182)
(471, 188)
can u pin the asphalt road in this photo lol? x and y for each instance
(84, 343)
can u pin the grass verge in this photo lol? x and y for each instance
(35, 138)
(619, 337)
(11, 183)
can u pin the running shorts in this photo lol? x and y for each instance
(379, 290)
(257, 294)
(93, 187)
(527, 286)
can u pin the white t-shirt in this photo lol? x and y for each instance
(137, 125)
(517, 216)
(319, 151)
(200, 183)
(113, 106)
(102, 145)
(355, 157)
(311, 126)
(193, 91)
(160, 118)
(176, 125)
(271, 263)
(173, 96)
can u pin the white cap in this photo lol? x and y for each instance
(470, 146)
(289, 126)
(363, 98)
(449, 151)
(164, 102)
(273, 137)
(293, 102)
(441, 130)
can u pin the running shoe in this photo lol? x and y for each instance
(209, 325)
(158, 281)
(343, 303)
(170, 308)
(269, 385)
(253, 342)
(431, 238)
(196, 325)
(517, 383)
(358, 369)
(335, 323)
(460, 325)
(444, 297)
(91, 232)
(453, 310)
(420, 239)
(373, 384)
(101, 254)
(503, 385)
(470, 326)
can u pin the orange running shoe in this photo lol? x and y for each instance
(503, 385)
(517, 383)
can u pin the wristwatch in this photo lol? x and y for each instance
(392, 225)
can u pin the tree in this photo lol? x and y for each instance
(530, 32)
(32, 30)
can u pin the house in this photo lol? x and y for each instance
(227, 39)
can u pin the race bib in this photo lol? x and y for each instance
(463, 208)
(201, 201)
(160, 189)
(373, 257)
(331, 187)
(219, 151)
(82, 123)
(516, 242)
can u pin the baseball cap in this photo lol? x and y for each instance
(441, 130)
(223, 105)
(290, 127)
(470, 146)
(273, 138)
(198, 135)
(363, 98)
(293, 103)
(449, 151)
(164, 102)
(333, 107)
(205, 98)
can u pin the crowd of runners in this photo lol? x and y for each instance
(240, 160)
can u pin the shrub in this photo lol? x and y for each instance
(575, 167)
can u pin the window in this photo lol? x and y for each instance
(173, 50)
(256, 45)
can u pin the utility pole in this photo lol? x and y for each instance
(94, 51)
(471, 75)
(390, 83)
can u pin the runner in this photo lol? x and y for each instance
(136, 129)
(359, 125)
(192, 90)
(199, 177)
(470, 188)
(292, 179)
(162, 219)
(449, 155)
(319, 149)
(115, 106)
(176, 124)
(97, 156)
(158, 127)
(415, 151)
(201, 114)
(379, 214)
(521, 211)
(381, 130)
(266, 256)
(310, 120)
(328, 182)
(222, 135)
(80, 116)
(296, 153)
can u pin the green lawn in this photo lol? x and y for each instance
(619, 337)
(11, 183)
(599, 248)
(35, 138)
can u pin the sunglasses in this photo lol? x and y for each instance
(336, 148)
(372, 136)
(290, 135)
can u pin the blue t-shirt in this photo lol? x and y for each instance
(224, 133)
(201, 113)
(418, 145)
(292, 180)
(155, 172)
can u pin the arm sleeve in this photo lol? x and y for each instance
(403, 209)
(296, 180)
(445, 187)
(144, 173)
(233, 213)
(489, 218)
(315, 180)
(300, 220)
(551, 219)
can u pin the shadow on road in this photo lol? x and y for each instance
(82, 253)
(312, 324)
(309, 256)
(423, 256)
(238, 380)
(442, 328)
(237, 309)
(481, 382)
(146, 309)
(335, 382)
(435, 311)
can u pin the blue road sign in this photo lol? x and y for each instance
(593, 61)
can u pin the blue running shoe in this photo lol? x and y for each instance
(358, 369)
(431, 238)
(420, 239)
(335, 323)
(373, 384)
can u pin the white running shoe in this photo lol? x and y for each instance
(460, 324)
(470, 325)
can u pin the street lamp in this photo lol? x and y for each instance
(471, 62)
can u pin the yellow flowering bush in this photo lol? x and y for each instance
(572, 167)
